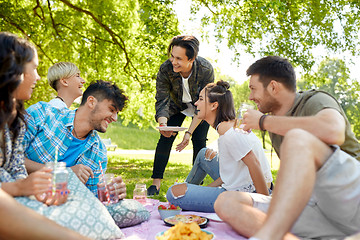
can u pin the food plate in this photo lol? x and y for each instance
(214, 217)
(162, 233)
(169, 128)
(201, 221)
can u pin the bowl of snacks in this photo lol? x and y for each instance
(169, 211)
(185, 231)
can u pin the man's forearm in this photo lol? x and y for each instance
(32, 166)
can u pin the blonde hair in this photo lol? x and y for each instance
(61, 70)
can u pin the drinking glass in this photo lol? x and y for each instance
(104, 189)
(240, 113)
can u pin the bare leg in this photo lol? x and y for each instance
(236, 209)
(302, 154)
(157, 183)
(20, 222)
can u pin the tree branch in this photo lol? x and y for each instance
(27, 36)
(207, 6)
(35, 12)
(113, 35)
(52, 19)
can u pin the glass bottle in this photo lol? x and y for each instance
(60, 175)
(140, 193)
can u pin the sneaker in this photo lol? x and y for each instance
(152, 190)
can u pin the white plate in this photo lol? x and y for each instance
(161, 233)
(169, 128)
(214, 217)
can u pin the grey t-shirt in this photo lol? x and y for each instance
(309, 103)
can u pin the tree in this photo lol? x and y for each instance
(123, 41)
(332, 76)
(289, 28)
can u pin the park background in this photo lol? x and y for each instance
(125, 41)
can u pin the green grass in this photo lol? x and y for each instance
(131, 137)
(137, 170)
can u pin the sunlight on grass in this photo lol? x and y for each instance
(138, 170)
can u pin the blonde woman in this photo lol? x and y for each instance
(65, 78)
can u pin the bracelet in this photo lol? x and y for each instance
(188, 133)
(261, 122)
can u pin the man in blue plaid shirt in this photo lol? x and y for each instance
(74, 133)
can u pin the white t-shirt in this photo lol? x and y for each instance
(186, 98)
(58, 103)
(233, 146)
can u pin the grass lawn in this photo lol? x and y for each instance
(138, 169)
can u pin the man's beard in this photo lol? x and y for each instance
(96, 124)
(269, 105)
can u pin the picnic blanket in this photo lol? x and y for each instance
(148, 229)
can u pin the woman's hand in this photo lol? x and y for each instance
(38, 182)
(57, 198)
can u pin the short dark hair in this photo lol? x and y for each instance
(219, 92)
(106, 90)
(190, 43)
(15, 52)
(274, 68)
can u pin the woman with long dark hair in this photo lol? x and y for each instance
(18, 76)
(240, 165)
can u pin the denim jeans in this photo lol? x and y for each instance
(202, 167)
(199, 198)
(164, 145)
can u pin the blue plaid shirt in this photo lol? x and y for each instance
(49, 127)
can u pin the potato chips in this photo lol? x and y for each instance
(185, 231)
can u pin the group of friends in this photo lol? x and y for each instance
(316, 194)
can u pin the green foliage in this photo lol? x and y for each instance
(286, 28)
(123, 41)
(332, 76)
(241, 94)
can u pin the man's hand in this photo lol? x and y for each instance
(251, 119)
(82, 172)
(118, 187)
(166, 133)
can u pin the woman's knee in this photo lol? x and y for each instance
(210, 154)
(176, 191)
